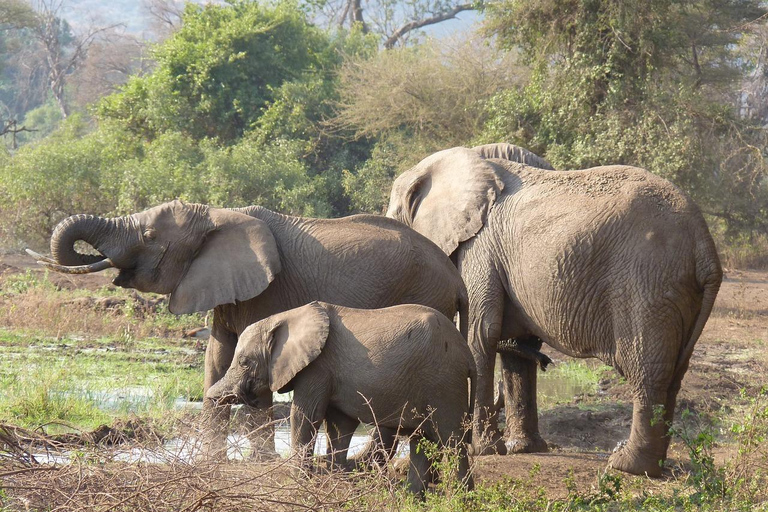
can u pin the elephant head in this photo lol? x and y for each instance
(201, 256)
(447, 196)
(271, 352)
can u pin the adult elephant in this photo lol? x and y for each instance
(610, 262)
(249, 263)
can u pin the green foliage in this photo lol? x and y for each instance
(708, 480)
(233, 115)
(217, 74)
(112, 171)
(20, 283)
(650, 85)
(368, 188)
(68, 173)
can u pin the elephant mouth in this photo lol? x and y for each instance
(124, 278)
(228, 399)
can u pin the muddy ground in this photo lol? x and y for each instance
(729, 357)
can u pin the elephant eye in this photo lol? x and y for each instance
(242, 361)
(150, 234)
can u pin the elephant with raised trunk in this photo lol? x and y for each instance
(249, 263)
(404, 368)
(610, 262)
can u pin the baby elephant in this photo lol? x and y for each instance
(403, 368)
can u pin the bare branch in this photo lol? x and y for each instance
(166, 14)
(61, 60)
(413, 25)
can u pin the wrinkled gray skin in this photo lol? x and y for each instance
(402, 368)
(610, 262)
(247, 264)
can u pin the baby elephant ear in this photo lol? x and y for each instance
(447, 196)
(237, 261)
(298, 337)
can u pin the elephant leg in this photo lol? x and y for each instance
(485, 318)
(339, 428)
(218, 356)
(463, 474)
(379, 449)
(418, 468)
(260, 428)
(656, 383)
(519, 377)
(452, 435)
(645, 450)
(305, 422)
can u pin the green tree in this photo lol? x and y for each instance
(652, 84)
(217, 74)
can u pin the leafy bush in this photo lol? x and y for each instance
(217, 73)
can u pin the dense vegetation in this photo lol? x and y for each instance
(250, 102)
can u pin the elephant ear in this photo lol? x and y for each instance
(297, 338)
(447, 196)
(237, 261)
(505, 151)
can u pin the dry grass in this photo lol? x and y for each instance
(99, 480)
(127, 315)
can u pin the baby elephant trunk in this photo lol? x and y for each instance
(225, 391)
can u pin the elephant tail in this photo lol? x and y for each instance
(709, 275)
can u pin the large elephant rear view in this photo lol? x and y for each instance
(610, 262)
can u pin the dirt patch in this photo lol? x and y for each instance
(551, 470)
(571, 428)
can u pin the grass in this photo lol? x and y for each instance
(563, 381)
(88, 382)
(86, 357)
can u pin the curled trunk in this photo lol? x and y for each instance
(96, 231)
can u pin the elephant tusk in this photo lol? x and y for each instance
(39, 257)
(79, 269)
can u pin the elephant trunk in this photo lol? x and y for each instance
(105, 235)
(225, 391)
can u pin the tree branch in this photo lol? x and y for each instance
(413, 25)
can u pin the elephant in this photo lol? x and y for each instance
(610, 262)
(250, 263)
(403, 368)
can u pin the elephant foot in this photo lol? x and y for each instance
(637, 462)
(526, 444)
